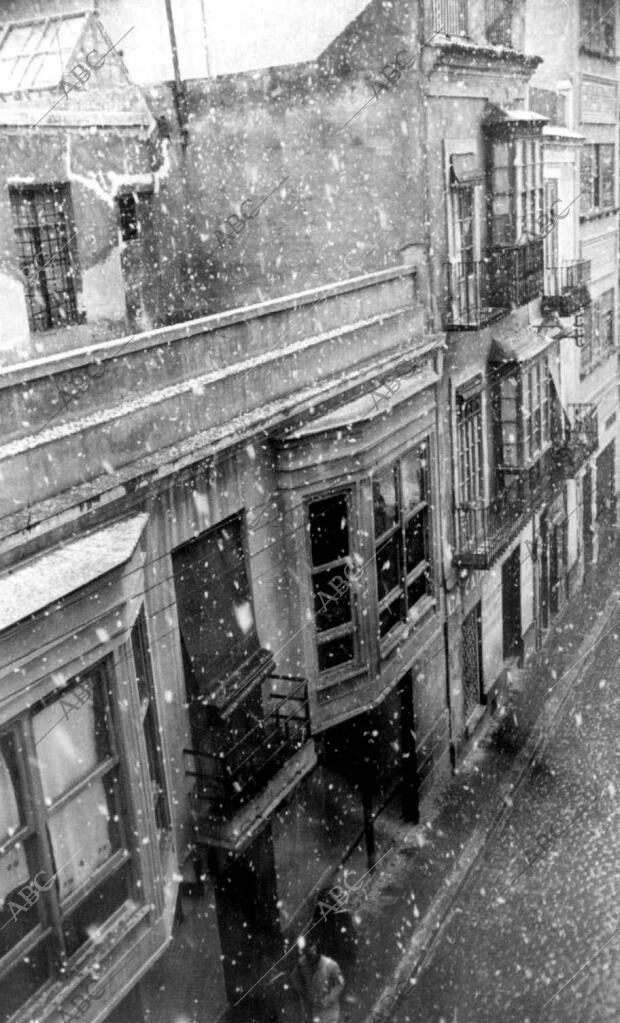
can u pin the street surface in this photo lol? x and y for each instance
(534, 937)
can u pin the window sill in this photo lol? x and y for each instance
(607, 211)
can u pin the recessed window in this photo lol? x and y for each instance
(598, 27)
(402, 538)
(599, 330)
(133, 209)
(216, 615)
(45, 239)
(597, 177)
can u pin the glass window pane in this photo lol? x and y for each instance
(11, 811)
(389, 566)
(17, 916)
(335, 652)
(71, 737)
(92, 913)
(416, 540)
(23, 981)
(413, 479)
(392, 615)
(385, 500)
(332, 603)
(84, 834)
(329, 529)
(417, 589)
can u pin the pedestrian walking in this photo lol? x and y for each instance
(319, 982)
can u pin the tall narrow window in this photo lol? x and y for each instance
(598, 27)
(42, 223)
(216, 615)
(469, 421)
(150, 722)
(402, 540)
(597, 177)
(72, 840)
(329, 525)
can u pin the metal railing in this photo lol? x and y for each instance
(498, 22)
(468, 295)
(225, 780)
(449, 17)
(515, 274)
(582, 438)
(566, 288)
(484, 529)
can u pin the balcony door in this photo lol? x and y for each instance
(511, 605)
(471, 646)
(465, 295)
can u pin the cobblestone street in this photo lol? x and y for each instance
(532, 936)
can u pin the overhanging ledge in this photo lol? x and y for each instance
(50, 577)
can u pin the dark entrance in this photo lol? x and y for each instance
(471, 646)
(544, 572)
(588, 545)
(511, 605)
(605, 486)
(247, 912)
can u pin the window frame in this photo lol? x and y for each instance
(55, 912)
(597, 17)
(350, 628)
(599, 331)
(521, 191)
(398, 530)
(34, 234)
(598, 189)
(470, 447)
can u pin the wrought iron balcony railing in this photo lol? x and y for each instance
(484, 529)
(515, 274)
(582, 438)
(449, 17)
(566, 287)
(469, 296)
(498, 22)
(225, 780)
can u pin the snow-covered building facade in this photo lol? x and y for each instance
(577, 87)
(263, 568)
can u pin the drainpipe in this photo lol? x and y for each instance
(180, 97)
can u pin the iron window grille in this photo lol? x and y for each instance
(598, 27)
(43, 228)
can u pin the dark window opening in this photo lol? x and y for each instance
(128, 216)
(216, 614)
(43, 228)
(329, 524)
(598, 27)
(150, 721)
(597, 177)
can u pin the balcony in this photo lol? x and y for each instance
(515, 274)
(469, 289)
(240, 778)
(449, 17)
(566, 288)
(582, 439)
(484, 529)
(498, 22)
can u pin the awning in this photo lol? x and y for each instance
(501, 115)
(50, 577)
(518, 344)
(465, 169)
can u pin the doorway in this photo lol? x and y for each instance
(588, 529)
(511, 605)
(471, 647)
